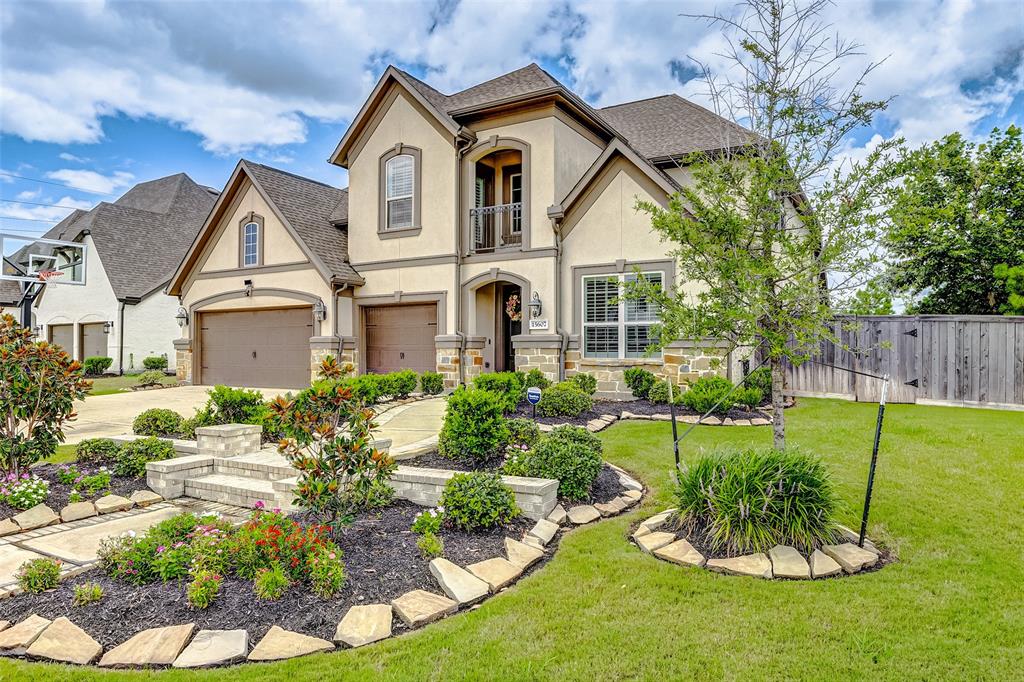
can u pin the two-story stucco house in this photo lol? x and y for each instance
(481, 231)
(133, 245)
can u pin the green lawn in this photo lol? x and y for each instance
(118, 384)
(947, 496)
(65, 453)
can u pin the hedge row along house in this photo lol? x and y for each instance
(481, 231)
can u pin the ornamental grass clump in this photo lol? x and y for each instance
(737, 502)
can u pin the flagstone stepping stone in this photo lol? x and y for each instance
(658, 520)
(4, 624)
(654, 540)
(521, 554)
(532, 541)
(364, 625)
(36, 517)
(65, 642)
(788, 563)
(611, 508)
(496, 572)
(557, 515)
(759, 421)
(76, 511)
(680, 552)
(584, 513)
(641, 530)
(9, 527)
(711, 421)
(113, 503)
(634, 495)
(457, 582)
(851, 557)
(741, 422)
(279, 644)
(15, 640)
(544, 531)
(853, 536)
(420, 607)
(755, 565)
(155, 646)
(144, 498)
(823, 566)
(214, 647)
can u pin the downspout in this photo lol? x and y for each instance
(564, 342)
(120, 339)
(336, 332)
(462, 144)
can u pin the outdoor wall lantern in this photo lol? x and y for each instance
(182, 317)
(536, 307)
(319, 310)
(248, 287)
(107, 326)
(37, 330)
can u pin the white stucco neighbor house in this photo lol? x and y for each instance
(481, 231)
(133, 246)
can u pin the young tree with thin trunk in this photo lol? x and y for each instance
(773, 230)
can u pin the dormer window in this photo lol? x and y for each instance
(399, 192)
(250, 241)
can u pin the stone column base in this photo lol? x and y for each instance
(183, 360)
(538, 351)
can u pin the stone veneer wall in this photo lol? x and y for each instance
(183, 359)
(535, 496)
(535, 351)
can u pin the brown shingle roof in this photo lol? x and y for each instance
(669, 125)
(310, 208)
(10, 292)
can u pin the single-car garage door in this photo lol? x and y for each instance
(256, 348)
(400, 337)
(94, 341)
(63, 335)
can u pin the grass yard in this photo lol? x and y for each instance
(947, 496)
(65, 453)
(118, 384)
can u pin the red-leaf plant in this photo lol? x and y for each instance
(39, 384)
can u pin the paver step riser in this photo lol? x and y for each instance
(260, 472)
(245, 500)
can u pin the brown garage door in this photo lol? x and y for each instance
(94, 341)
(256, 348)
(400, 337)
(63, 335)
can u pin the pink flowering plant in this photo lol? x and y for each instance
(23, 491)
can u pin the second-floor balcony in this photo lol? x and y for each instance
(496, 227)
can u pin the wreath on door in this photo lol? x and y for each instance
(513, 308)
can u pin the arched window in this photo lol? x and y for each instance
(250, 242)
(400, 183)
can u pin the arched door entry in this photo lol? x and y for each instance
(509, 323)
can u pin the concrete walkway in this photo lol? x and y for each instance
(412, 428)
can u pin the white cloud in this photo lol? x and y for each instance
(65, 156)
(91, 181)
(245, 80)
(53, 214)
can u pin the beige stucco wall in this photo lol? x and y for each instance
(408, 280)
(403, 122)
(574, 154)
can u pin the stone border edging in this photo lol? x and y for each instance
(604, 421)
(41, 516)
(61, 641)
(780, 562)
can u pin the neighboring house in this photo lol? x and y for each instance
(457, 207)
(132, 247)
(10, 299)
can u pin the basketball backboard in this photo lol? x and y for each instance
(27, 258)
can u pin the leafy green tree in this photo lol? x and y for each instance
(871, 299)
(768, 258)
(957, 215)
(1013, 279)
(39, 384)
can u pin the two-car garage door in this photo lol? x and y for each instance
(258, 348)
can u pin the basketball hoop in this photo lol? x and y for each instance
(45, 275)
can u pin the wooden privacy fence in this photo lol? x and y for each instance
(962, 360)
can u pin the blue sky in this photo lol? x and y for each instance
(101, 95)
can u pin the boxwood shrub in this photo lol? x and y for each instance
(705, 392)
(507, 385)
(536, 379)
(431, 383)
(151, 377)
(402, 383)
(639, 381)
(478, 500)
(155, 362)
(96, 451)
(132, 457)
(474, 427)
(96, 365)
(571, 455)
(158, 422)
(658, 393)
(586, 382)
(564, 399)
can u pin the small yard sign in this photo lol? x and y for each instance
(533, 397)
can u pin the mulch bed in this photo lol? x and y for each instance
(381, 562)
(60, 493)
(616, 407)
(606, 486)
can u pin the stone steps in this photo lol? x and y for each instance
(266, 465)
(240, 491)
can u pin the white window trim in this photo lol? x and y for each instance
(245, 244)
(621, 323)
(388, 198)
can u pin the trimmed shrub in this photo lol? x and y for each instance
(226, 405)
(96, 451)
(748, 396)
(368, 389)
(478, 500)
(523, 433)
(570, 457)
(432, 383)
(151, 377)
(536, 379)
(96, 365)
(158, 421)
(155, 362)
(706, 391)
(586, 382)
(564, 400)
(507, 385)
(658, 393)
(743, 501)
(403, 383)
(132, 457)
(474, 428)
(761, 379)
(39, 575)
(639, 381)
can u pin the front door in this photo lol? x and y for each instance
(510, 315)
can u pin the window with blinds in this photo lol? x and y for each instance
(400, 174)
(614, 327)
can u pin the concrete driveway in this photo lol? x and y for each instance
(111, 415)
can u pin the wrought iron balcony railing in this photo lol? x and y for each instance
(496, 227)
